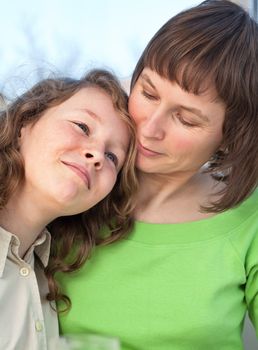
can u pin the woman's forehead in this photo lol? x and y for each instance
(207, 88)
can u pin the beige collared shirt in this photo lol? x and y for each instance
(27, 321)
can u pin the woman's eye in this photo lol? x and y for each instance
(186, 123)
(148, 96)
(112, 157)
(84, 127)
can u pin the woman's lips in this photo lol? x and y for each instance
(147, 152)
(80, 171)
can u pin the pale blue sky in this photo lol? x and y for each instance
(70, 36)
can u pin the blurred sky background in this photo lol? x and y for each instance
(68, 37)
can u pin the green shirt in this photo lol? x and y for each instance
(180, 286)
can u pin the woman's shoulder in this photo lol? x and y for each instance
(246, 233)
(249, 207)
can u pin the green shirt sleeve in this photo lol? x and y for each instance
(251, 291)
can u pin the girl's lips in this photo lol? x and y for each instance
(80, 171)
(147, 152)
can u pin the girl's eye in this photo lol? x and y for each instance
(148, 96)
(112, 157)
(84, 127)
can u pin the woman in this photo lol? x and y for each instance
(188, 272)
(59, 157)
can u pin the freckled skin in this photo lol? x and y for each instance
(57, 138)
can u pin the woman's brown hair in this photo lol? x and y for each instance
(77, 233)
(215, 44)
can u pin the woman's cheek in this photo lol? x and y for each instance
(183, 143)
(137, 106)
(133, 108)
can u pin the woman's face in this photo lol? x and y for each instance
(177, 131)
(73, 153)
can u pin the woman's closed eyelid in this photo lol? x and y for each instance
(187, 123)
(149, 95)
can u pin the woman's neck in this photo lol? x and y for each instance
(167, 199)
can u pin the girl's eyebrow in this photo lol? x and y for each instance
(90, 113)
(146, 78)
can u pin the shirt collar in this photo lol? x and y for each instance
(41, 247)
(5, 240)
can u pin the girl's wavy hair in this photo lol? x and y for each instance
(216, 43)
(77, 233)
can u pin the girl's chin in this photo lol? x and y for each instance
(68, 194)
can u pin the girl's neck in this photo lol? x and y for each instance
(24, 219)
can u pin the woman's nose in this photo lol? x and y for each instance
(153, 127)
(95, 157)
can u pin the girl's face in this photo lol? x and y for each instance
(177, 131)
(73, 153)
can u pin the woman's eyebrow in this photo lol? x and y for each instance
(146, 78)
(196, 111)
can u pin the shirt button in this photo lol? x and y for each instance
(38, 326)
(24, 271)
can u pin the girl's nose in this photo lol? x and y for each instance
(96, 158)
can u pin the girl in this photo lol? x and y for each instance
(66, 145)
